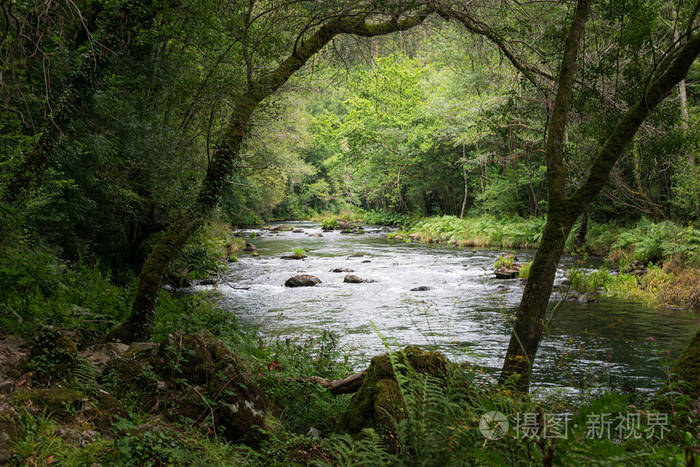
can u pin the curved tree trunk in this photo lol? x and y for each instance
(140, 322)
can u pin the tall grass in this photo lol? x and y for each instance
(483, 231)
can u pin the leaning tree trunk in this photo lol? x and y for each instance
(140, 323)
(531, 315)
(563, 211)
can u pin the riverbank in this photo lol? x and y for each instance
(211, 391)
(656, 263)
(207, 391)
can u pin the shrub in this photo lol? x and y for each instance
(504, 261)
(329, 224)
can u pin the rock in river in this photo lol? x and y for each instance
(342, 270)
(353, 279)
(422, 288)
(302, 280)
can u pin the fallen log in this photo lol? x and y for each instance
(337, 386)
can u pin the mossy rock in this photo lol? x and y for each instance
(163, 379)
(378, 402)
(687, 367)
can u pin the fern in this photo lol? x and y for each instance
(367, 449)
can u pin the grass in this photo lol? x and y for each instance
(299, 253)
(657, 287)
(504, 261)
(524, 271)
(484, 231)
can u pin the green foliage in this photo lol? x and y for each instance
(388, 218)
(299, 253)
(365, 449)
(134, 446)
(39, 290)
(440, 427)
(582, 282)
(504, 261)
(655, 242)
(483, 231)
(524, 271)
(329, 224)
(53, 356)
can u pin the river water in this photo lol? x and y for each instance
(466, 313)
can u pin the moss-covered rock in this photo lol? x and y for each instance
(193, 376)
(378, 403)
(687, 367)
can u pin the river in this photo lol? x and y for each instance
(466, 313)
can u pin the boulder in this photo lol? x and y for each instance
(280, 228)
(341, 270)
(315, 235)
(298, 230)
(250, 247)
(507, 273)
(422, 288)
(196, 376)
(353, 279)
(14, 355)
(302, 280)
(378, 402)
(99, 354)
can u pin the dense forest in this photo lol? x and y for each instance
(141, 140)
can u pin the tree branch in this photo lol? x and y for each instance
(630, 122)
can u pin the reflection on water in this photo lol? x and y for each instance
(466, 313)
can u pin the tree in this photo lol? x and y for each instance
(564, 210)
(226, 156)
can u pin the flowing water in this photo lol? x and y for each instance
(465, 314)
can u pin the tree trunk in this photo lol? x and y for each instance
(530, 317)
(529, 324)
(140, 322)
(466, 182)
(580, 239)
